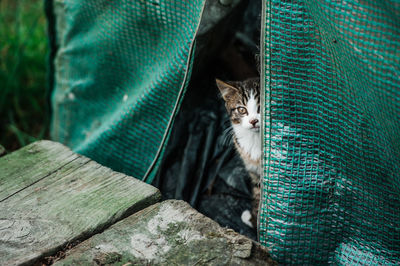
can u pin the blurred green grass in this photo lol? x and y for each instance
(23, 49)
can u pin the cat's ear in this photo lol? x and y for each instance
(227, 90)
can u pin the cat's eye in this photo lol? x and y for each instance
(242, 110)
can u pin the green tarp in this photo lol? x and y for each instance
(331, 80)
(120, 70)
(331, 106)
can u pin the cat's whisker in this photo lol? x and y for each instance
(228, 135)
(227, 123)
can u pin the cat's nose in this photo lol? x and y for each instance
(254, 122)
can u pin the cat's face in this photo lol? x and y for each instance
(242, 101)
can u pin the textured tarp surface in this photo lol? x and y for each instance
(331, 183)
(119, 73)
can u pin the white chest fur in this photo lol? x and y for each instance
(249, 141)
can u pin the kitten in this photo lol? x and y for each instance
(242, 101)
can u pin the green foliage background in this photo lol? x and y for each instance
(23, 49)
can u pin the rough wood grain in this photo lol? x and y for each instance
(168, 233)
(26, 166)
(51, 196)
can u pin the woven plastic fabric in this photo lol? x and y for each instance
(120, 70)
(331, 186)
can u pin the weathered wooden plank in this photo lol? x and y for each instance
(26, 166)
(168, 233)
(68, 201)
